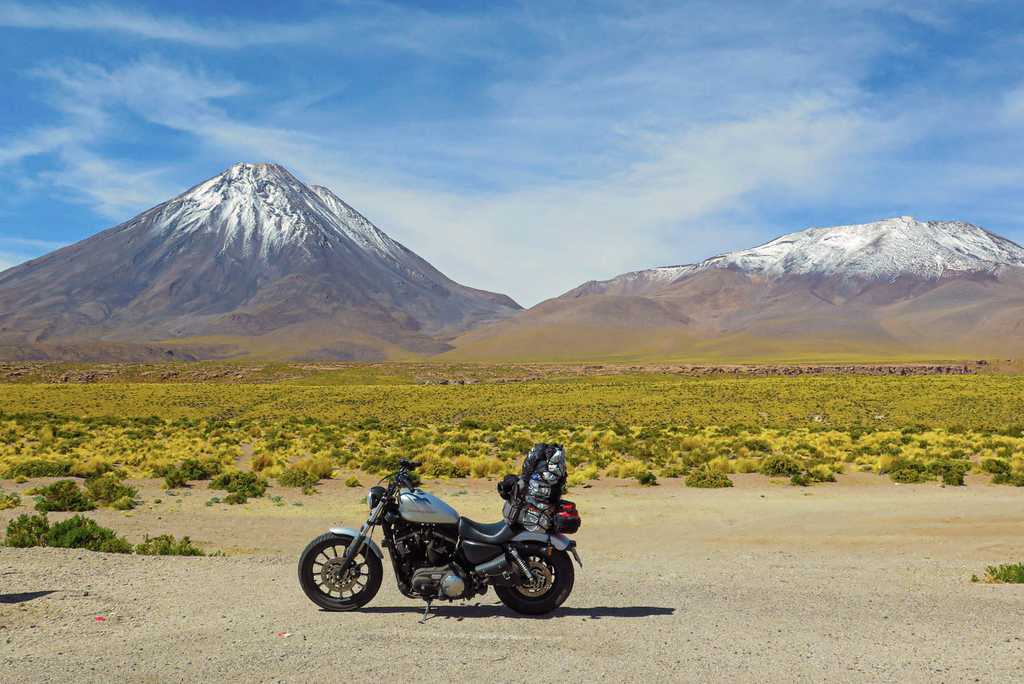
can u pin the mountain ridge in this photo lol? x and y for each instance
(892, 287)
(251, 257)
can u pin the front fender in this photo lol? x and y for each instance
(349, 532)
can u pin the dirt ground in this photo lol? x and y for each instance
(863, 580)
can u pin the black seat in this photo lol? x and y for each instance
(485, 533)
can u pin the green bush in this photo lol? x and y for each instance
(125, 503)
(353, 481)
(79, 532)
(821, 473)
(39, 468)
(801, 479)
(240, 486)
(195, 469)
(950, 471)
(63, 495)
(707, 478)
(7, 501)
(175, 479)
(296, 477)
(995, 466)
(108, 488)
(647, 479)
(27, 530)
(780, 466)
(1007, 573)
(167, 545)
(1012, 479)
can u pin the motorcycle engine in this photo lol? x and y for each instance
(443, 580)
(426, 558)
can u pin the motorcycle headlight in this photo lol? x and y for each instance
(374, 496)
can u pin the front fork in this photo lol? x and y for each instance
(359, 542)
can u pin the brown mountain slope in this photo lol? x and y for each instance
(904, 290)
(253, 261)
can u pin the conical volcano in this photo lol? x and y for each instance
(251, 261)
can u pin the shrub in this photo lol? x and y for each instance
(39, 468)
(1013, 479)
(79, 532)
(951, 471)
(167, 545)
(353, 481)
(801, 480)
(745, 465)
(296, 477)
(707, 478)
(907, 471)
(647, 479)
(1007, 573)
(63, 495)
(27, 530)
(125, 503)
(780, 466)
(7, 501)
(106, 489)
(581, 476)
(319, 467)
(822, 473)
(995, 466)
(175, 479)
(195, 469)
(240, 486)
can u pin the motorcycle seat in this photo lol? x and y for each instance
(485, 533)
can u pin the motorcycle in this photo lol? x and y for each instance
(436, 554)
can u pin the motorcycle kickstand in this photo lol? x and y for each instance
(426, 612)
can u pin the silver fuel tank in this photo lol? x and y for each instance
(421, 507)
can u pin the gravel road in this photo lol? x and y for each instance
(855, 582)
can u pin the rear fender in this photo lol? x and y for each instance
(352, 534)
(559, 541)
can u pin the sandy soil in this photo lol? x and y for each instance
(859, 581)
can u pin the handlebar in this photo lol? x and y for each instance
(406, 464)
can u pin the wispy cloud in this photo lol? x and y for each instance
(140, 24)
(31, 243)
(572, 145)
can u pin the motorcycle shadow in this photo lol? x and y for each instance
(460, 612)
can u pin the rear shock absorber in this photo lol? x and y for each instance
(521, 563)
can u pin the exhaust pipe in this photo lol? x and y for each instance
(494, 567)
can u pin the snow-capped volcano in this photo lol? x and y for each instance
(262, 208)
(898, 286)
(884, 250)
(250, 253)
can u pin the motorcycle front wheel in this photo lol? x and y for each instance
(554, 577)
(329, 586)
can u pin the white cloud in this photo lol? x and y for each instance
(34, 142)
(623, 140)
(108, 18)
(10, 260)
(30, 243)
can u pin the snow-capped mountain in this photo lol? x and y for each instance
(254, 259)
(932, 289)
(885, 250)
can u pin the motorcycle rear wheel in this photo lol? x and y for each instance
(327, 586)
(559, 575)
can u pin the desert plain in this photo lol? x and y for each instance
(860, 579)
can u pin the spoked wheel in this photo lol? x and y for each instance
(328, 584)
(553, 577)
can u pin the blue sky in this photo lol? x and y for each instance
(525, 147)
